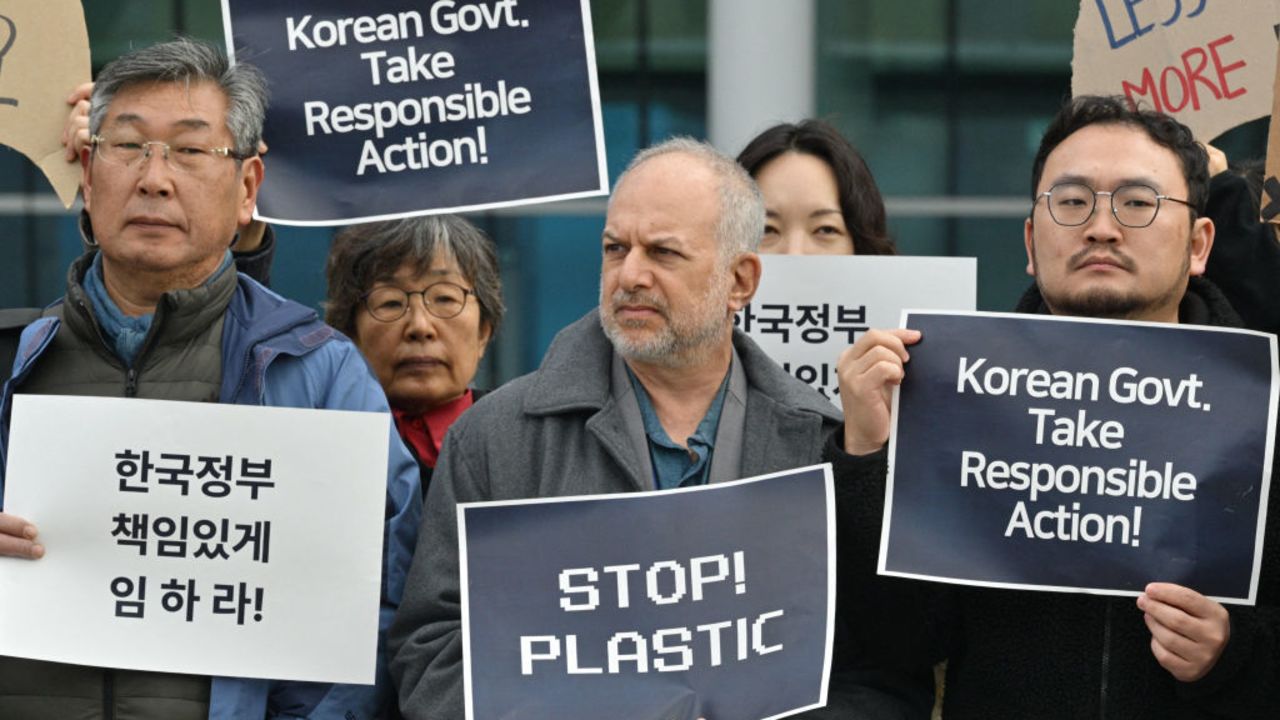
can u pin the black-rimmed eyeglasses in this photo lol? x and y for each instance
(1134, 206)
(443, 300)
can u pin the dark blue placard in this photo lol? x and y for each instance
(552, 151)
(1221, 434)
(514, 554)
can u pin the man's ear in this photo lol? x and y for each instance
(746, 271)
(250, 180)
(1028, 229)
(1202, 234)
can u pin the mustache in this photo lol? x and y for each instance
(622, 297)
(1091, 254)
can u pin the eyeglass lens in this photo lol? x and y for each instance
(129, 152)
(1133, 205)
(444, 300)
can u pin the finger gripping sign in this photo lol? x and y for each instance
(669, 604)
(392, 108)
(1068, 454)
(44, 55)
(1208, 63)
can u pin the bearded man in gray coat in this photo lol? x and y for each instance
(652, 390)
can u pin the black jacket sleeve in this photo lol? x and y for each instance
(1245, 260)
(887, 633)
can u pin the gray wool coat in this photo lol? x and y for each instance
(555, 432)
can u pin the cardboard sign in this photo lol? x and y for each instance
(393, 108)
(1207, 63)
(808, 309)
(44, 55)
(197, 537)
(705, 602)
(1064, 454)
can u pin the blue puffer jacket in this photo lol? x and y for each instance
(276, 352)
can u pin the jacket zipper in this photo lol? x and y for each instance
(131, 373)
(108, 694)
(1106, 661)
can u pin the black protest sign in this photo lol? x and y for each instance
(1067, 454)
(390, 108)
(670, 604)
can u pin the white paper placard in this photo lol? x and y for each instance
(809, 308)
(317, 563)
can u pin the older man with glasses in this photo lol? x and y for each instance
(1115, 231)
(157, 310)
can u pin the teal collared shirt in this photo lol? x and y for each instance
(673, 464)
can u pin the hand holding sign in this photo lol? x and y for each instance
(18, 538)
(44, 49)
(1188, 630)
(75, 136)
(868, 371)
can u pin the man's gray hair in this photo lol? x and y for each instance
(188, 61)
(740, 226)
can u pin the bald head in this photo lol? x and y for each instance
(739, 224)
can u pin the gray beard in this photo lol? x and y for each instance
(666, 348)
(674, 345)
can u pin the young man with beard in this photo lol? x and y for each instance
(652, 390)
(1115, 231)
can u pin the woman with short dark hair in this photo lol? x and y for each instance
(421, 298)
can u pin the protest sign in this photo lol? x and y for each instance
(392, 108)
(671, 604)
(808, 309)
(197, 537)
(1208, 64)
(44, 55)
(1055, 453)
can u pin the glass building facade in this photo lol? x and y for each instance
(947, 100)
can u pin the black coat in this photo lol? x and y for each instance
(1245, 260)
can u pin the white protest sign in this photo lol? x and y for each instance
(809, 308)
(197, 537)
(1208, 64)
